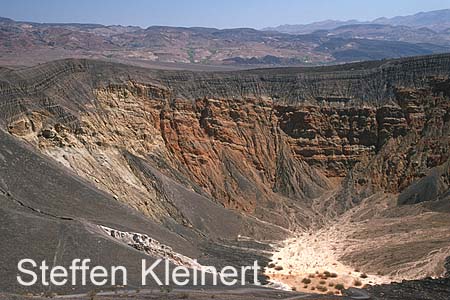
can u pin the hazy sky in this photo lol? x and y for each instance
(210, 13)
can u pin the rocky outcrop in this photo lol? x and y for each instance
(220, 148)
(416, 141)
(332, 139)
(150, 246)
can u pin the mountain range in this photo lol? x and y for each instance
(438, 20)
(328, 42)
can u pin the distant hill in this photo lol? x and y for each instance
(308, 28)
(436, 20)
(383, 32)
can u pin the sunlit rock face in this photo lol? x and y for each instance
(253, 141)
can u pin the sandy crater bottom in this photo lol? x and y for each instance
(370, 244)
(309, 263)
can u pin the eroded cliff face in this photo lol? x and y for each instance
(265, 144)
(330, 138)
(415, 139)
(232, 151)
(356, 158)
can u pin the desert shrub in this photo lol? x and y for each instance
(311, 275)
(326, 273)
(313, 288)
(357, 283)
(165, 289)
(271, 265)
(305, 286)
(278, 268)
(306, 280)
(363, 275)
(339, 286)
(294, 288)
(92, 295)
(322, 288)
(49, 294)
(331, 284)
(330, 293)
(333, 275)
(322, 282)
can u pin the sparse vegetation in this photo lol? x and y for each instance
(278, 268)
(92, 295)
(333, 275)
(306, 280)
(322, 288)
(322, 282)
(363, 275)
(339, 286)
(165, 289)
(49, 294)
(191, 55)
